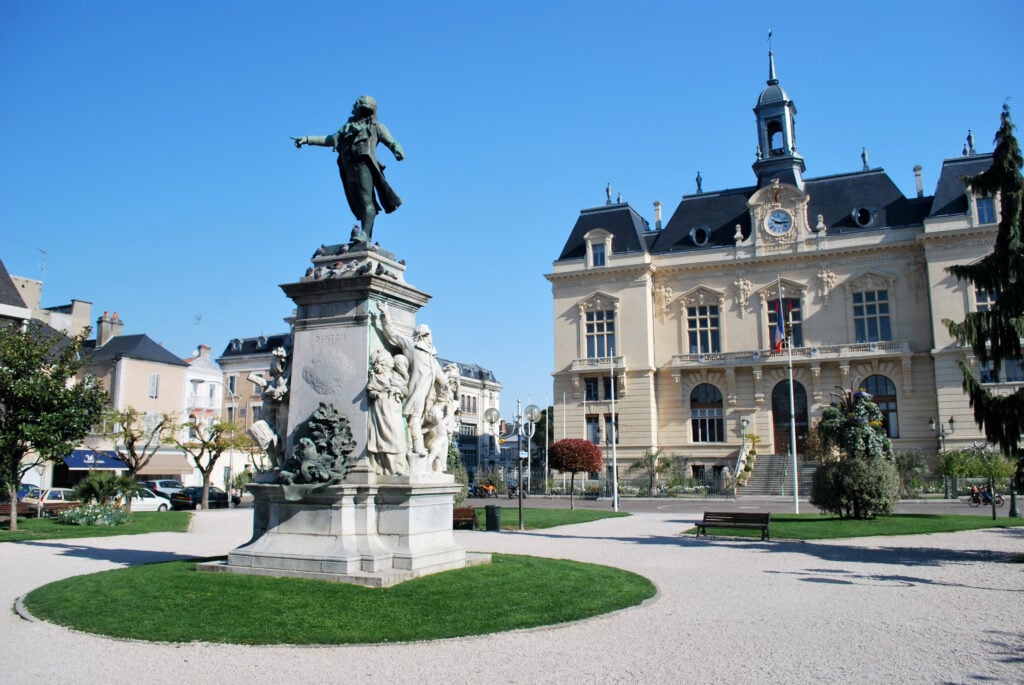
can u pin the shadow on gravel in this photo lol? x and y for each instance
(117, 556)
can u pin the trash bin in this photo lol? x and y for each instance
(493, 517)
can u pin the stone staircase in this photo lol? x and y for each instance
(772, 476)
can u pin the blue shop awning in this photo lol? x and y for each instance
(85, 460)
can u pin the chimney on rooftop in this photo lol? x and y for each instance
(107, 327)
(917, 180)
(657, 215)
(204, 351)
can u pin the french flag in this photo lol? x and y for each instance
(780, 331)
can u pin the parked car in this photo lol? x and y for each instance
(164, 487)
(56, 499)
(192, 498)
(53, 495)
(147, 500)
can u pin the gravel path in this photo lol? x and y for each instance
(943, 608)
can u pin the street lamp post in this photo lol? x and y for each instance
(942, 435)
(532, 415)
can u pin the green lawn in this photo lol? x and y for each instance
(142, 522)
(171, 602)
(824, 527)
(544, 518)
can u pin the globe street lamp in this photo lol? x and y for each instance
(492, 416)
(532, 416)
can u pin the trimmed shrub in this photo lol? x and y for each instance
(856, 488)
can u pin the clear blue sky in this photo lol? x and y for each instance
(146, 145)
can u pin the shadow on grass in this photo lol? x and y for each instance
(130, 557)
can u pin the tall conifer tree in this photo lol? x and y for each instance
(995, 335)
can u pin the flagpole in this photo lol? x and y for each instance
(792, 402)
(615, 464)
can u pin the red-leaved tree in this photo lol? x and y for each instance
(574, 456)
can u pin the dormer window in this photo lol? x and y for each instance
(236, 345)
(986, 210)
(599, 246)
(261, 342)
(863, 216)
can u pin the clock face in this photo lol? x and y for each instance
(779, 222)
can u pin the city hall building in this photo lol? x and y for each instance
(679, 330)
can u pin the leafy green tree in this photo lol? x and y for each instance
(650, 466)
(206, 443)
(44, 411)
(677, 470)
(995, 335)
(136, 436)
(573, 456)
(909, 465)
(858, 476)
(456, 468)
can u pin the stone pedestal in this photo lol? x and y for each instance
(370, 529)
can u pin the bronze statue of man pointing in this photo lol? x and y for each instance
(361, 174)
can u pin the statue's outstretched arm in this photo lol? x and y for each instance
(323, 141)
(384, 135)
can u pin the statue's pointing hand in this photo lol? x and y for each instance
(398, 152)
(299, 142)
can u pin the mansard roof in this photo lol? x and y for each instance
(474, 371)
(627, 227)
(139, 346)
(834, 197)
(950, 195)
(260, 344)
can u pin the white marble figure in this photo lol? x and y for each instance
(275, 404)
(442, 420)
(386, 443)
(424, 374)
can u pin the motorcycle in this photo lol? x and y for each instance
(976, 499)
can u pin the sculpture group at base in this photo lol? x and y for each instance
(410, 385)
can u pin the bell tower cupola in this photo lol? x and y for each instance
(777, 157)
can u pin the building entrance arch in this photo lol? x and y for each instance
(780, 416)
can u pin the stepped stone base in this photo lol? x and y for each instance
(384, 531)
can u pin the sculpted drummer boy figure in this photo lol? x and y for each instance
(361, 174)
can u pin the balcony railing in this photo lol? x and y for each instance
(808, 353)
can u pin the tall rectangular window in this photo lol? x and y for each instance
(597, 254)
(608, 429)
(590, 389)
(600, 330)
(792, 320)
(153, 391)
(232, 381)
(871, 316)
(984, 299)
(986, 210)
(702, 322)
(594, 429)
(606, 382)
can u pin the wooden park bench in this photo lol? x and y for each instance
(464, 517)
(735, 519)
(24, 510)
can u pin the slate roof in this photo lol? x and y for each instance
(139, 346)
(949, 192)
(622, 221)
(834, 197)
(471, 371)
(9, 294)
(260, 344)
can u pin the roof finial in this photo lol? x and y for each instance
(970, 142)
(700, 183)
(772, 81)
(608, 193)
(864, 157)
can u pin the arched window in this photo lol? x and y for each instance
(883, 393)
(706, 414)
